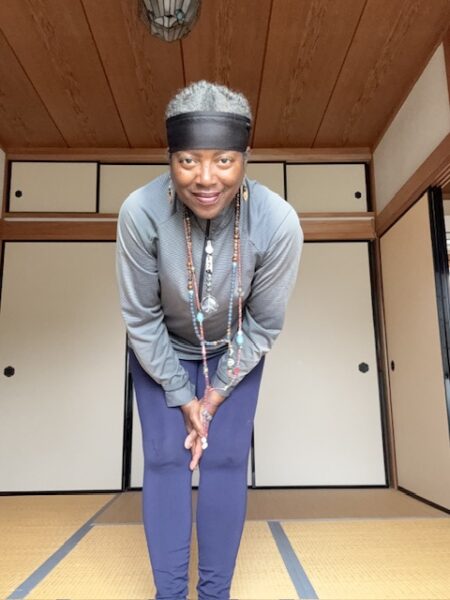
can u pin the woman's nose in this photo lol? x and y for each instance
(206, 175)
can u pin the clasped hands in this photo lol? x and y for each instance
(196, 426)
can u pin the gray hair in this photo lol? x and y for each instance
(204, 96)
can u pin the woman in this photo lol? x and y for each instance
(206, 261)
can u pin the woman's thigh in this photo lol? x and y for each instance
(163, 427)
(230, 431)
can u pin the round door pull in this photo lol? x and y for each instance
(9, 371)
(18, 194)
(363, 367)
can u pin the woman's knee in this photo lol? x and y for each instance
(165, 453)
(226, 454)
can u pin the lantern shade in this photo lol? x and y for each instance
(171, 20)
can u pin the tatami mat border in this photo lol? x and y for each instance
(41, 572)
(299, 578)
(296, 572)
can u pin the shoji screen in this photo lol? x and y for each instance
(117, 181)
(318, 421)
(62, 354)
(53, 186)
(415, 359)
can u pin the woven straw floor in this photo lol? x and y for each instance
(397, 550)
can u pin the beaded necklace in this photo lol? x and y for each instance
(233, 364)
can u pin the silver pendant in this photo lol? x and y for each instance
(209, 304)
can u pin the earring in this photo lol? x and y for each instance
(170, 193)
(244, 191)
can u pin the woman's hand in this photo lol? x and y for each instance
(196, 430)
(211, 401)
(209, 404)
(196, 426)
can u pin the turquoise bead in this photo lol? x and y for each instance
(200, 317)
(239, 338)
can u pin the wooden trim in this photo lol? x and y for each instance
(5, 184)
(51, 230)
(336, 215)
(350, 230)
(384, 362)
(90, 215)
(58, 215)
(429, 173)
(372, 189)
(159, 155)
(314, 227)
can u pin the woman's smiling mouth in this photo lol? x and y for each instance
(206, 197)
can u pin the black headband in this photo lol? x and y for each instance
(208, 130)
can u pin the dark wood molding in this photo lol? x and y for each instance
(159, 155)
(52, 230)
(316, 226)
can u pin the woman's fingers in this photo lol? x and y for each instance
(197, 422)
(196, 453)
(190, 438)
(193, 443)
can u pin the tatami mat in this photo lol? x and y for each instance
(111, 562)
(33, 527)
(332, 544)
(371, 560)
(260, 570)
(374, 560)
(297, 504)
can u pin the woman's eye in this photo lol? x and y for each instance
(224, 160)
(187, 161)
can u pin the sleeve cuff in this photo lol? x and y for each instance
(221, 386)
(180, 396)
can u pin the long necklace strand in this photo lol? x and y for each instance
(233, 365)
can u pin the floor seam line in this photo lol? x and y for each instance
(58, 555)
(299, 578)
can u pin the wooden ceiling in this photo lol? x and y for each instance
(318, 73)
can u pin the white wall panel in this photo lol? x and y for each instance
(318, 420)
(118, 181)
(326, 187)
(53, 187)
(417, 382)
(269, 174)
(62, 412)
(420, 125)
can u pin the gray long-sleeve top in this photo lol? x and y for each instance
(152, 280)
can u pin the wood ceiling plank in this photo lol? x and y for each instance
(54, 45)
(23, 117)
(143, 71)
(227, 45)
(390, 49)
(306, 48)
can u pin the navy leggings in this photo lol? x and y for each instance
(167, 485)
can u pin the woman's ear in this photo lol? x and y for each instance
(246, 155)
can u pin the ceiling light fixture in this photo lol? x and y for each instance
(171, 20)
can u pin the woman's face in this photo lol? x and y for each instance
(207, 180)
